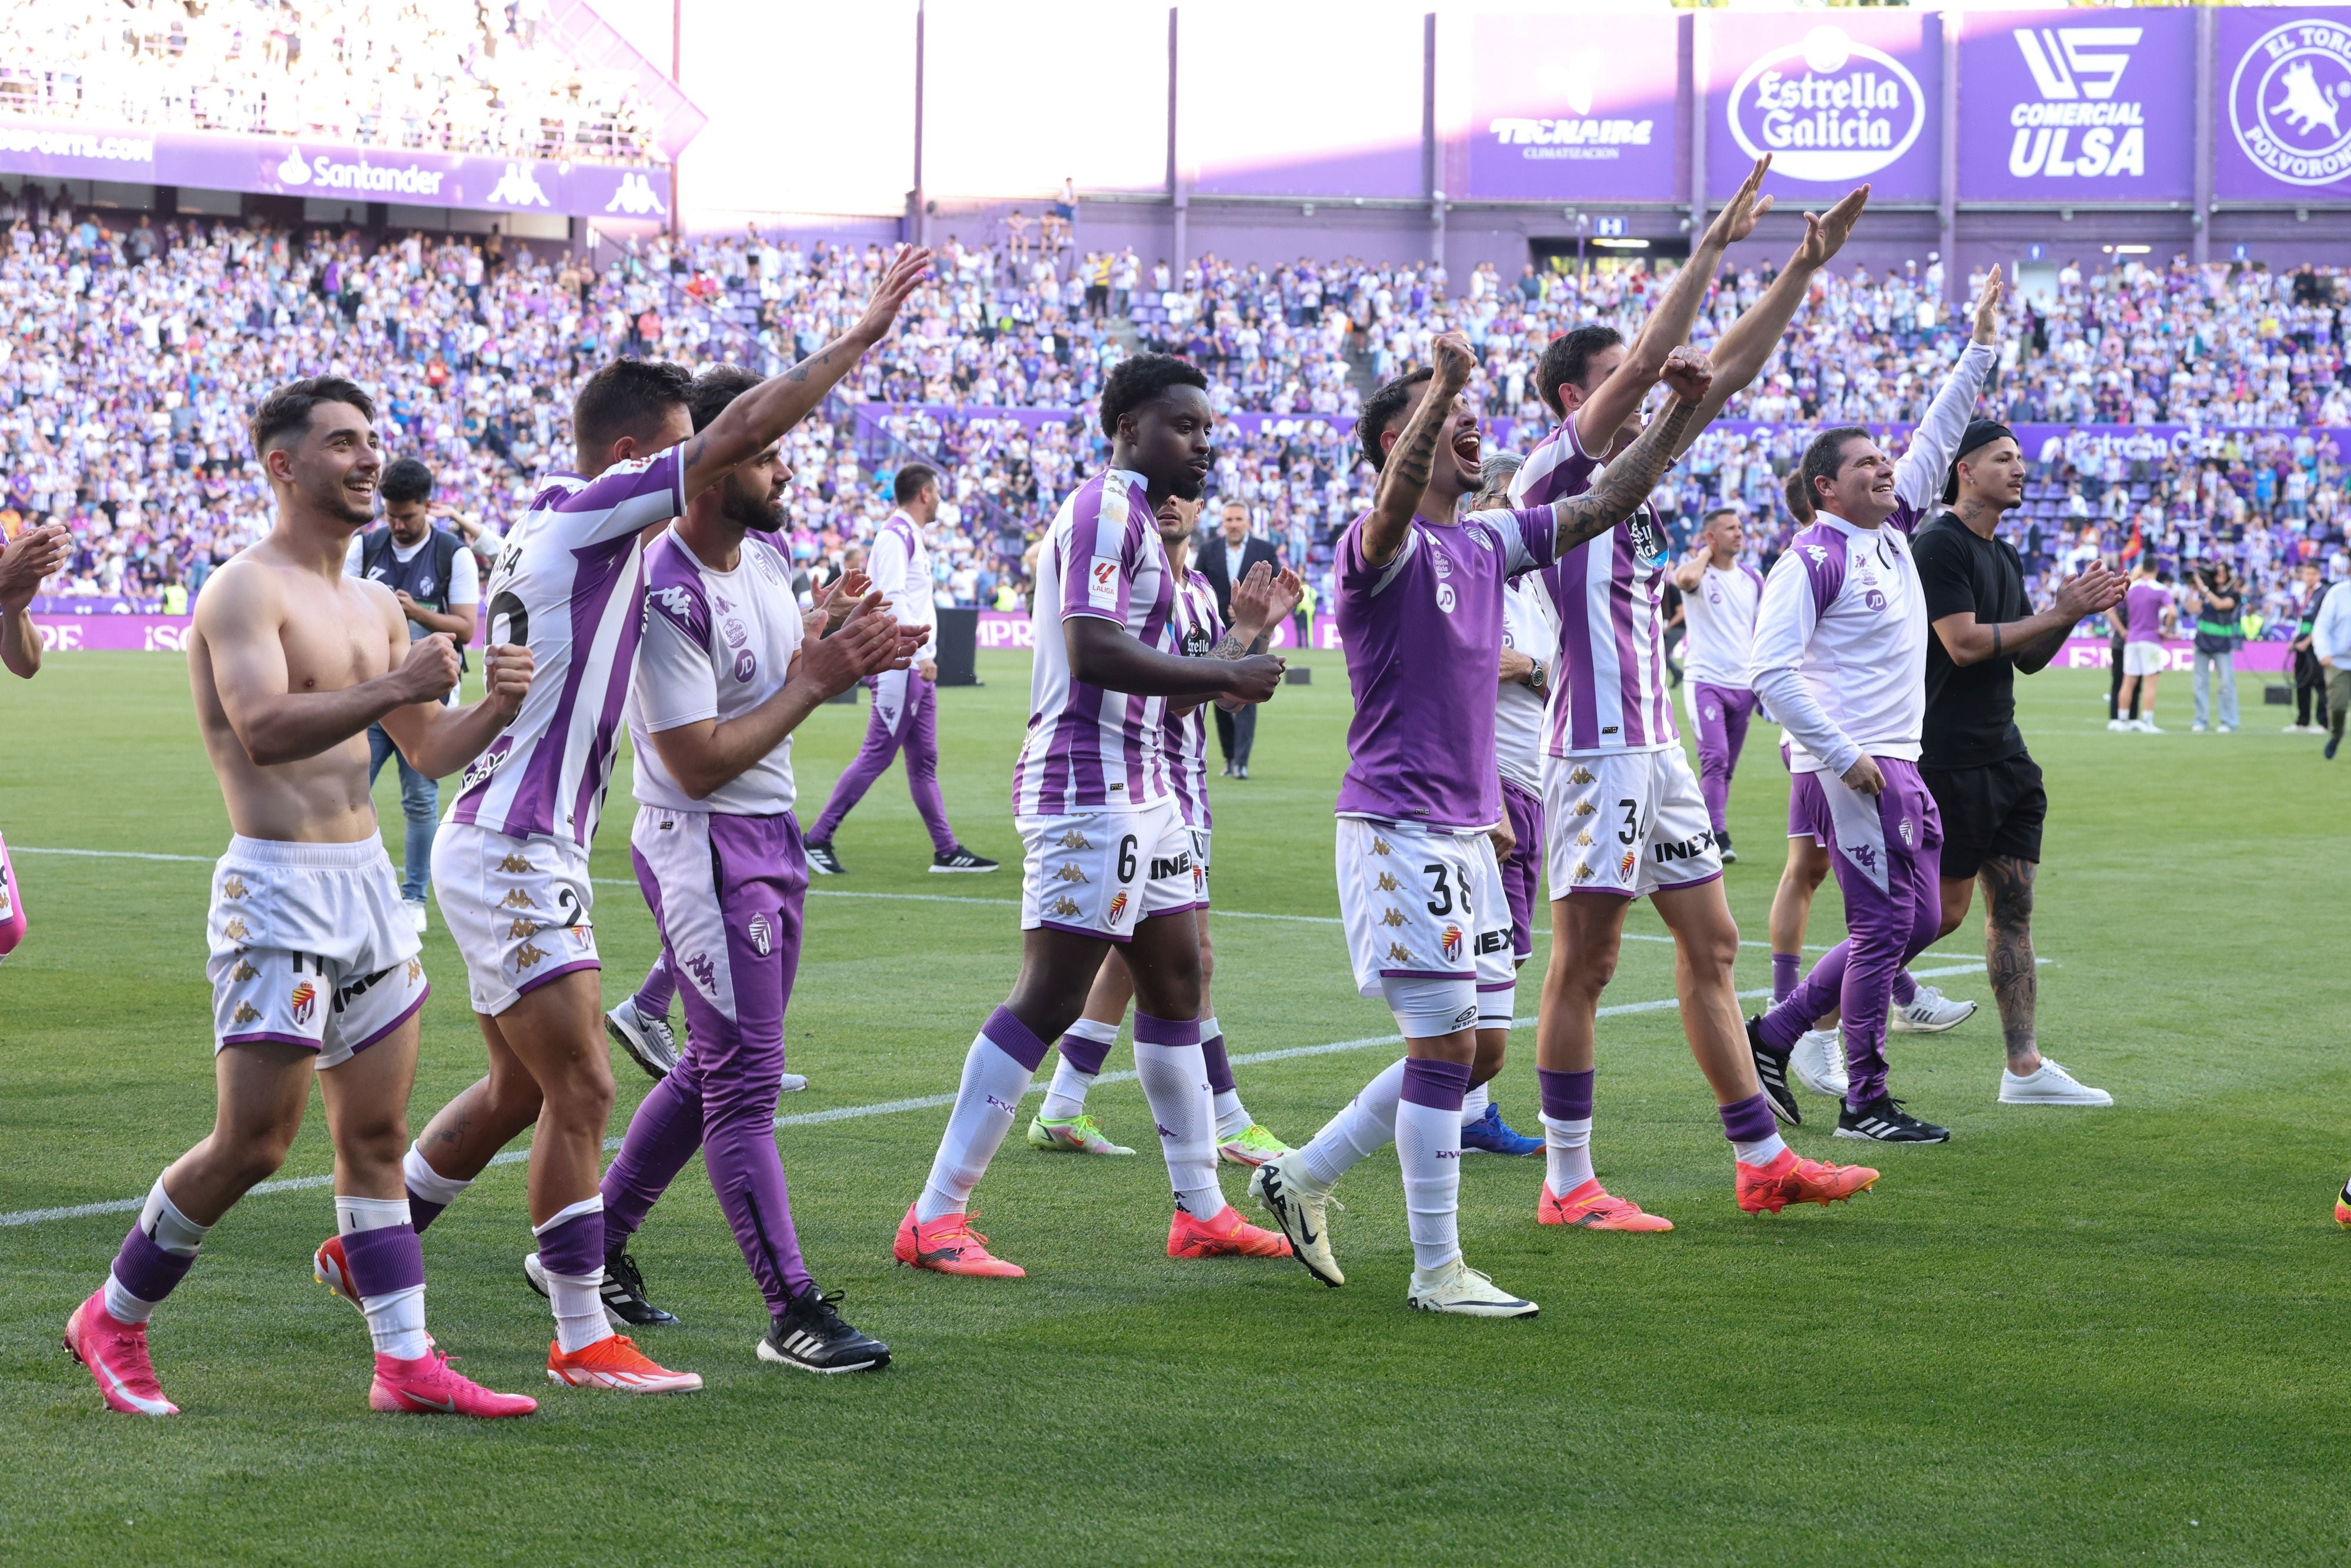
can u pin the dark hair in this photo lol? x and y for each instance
(1381, 409)
(1567, 359)
(625, 398)
(911, 480)
(287, 412)
(404, 481)
(1822, 458)
(1139, 379)
(711, 392)
(1714, 513)
(1800, 505)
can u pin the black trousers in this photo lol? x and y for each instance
(2309, 686)
(1235, 733)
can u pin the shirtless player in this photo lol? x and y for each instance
(313, 966)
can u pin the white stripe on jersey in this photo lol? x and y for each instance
(1199, 628)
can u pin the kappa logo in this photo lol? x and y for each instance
(2285, 101)
(234, 930)
(529, 955)
(705, 973)
(762, 938)
(1380, 845)
(1863, 855)
(246, 1013)
(516, 864)
(1625, 866)
(1072, 872)
(244, 970)
(1117, 907)
(478, 771)
(1398, 953)
(522, 928)
(517, 898)
(1065, 908)
(1584, 840)
(1820, 554)
(674, 602)
(1394, 916)
(634, 196)
(1075, 840)
(415, 970)
(1712, 712)
(303, 1001)
(1450, 943)
(1388, 882)
(1908, 840)
(518, 186)
(234, 888)
(1582, 809)
(1581, 775)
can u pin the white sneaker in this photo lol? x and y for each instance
(793, 1082)
(648, 1041)
(2197, 729)
(1818, 1062)
(1459, 1288)
(420, 914)
(2120, 724)
(2298, 729)
(2053, 1085)
(1929, 1012)
(2146, 727)
(1301, 1206)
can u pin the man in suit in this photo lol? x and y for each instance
(1224, 558)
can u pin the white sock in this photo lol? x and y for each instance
(1429, 1146)
(427, 1183)
(577, 1299)
(1567, 1154)
(168, 1228)
(1760, 1153)
(1473, 1104)
(395, 1322)
(1067, 1097)
(1232, 1118)
(1360, 1130)
(1176, 1083)
(992, 1085)
(124, 1307)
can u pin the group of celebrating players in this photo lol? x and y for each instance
(1512, 720)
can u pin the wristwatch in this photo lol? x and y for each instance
(1535, 677)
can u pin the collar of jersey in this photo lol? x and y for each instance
(1131, 477)
(677, 542)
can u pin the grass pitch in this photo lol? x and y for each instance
(2072, 1336)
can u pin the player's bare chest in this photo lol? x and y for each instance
(333, 641)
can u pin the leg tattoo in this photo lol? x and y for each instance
(2007, 954)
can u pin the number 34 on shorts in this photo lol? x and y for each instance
(1626, 823)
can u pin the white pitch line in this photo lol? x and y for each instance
(920, 1102)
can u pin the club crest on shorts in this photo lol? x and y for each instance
(1909, 839)
(1117, 906)
(303, 1002)
(762, 940)
(1451, 942)
(1625, 866)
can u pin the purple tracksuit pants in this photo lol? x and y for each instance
(905, 718)
(1720, 714)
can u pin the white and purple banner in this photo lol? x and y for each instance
(2284, 85)
(2077, 105)
(1562, 110)
(1837, 98)
(277, 165)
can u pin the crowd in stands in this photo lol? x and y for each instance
(130, 356)
(452, 76)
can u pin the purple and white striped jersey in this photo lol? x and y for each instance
(1424, 643)
(900, 565)
(569, 585)
(1200, 627)
(1609, 691)
(1089, 748)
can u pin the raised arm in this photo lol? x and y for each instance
(1628, 479)
(1740, 353)
(239, 620)
(1615, 400)
(765, 412)
(1918, 474)
(25, 563)
(1404, 477)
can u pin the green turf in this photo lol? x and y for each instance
(2067, 1336)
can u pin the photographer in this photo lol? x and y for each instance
(2217, 601)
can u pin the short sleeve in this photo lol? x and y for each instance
(465, 578)
(626, 498)
(1944, 575)
(676, 683)
(353, 558)
(1098, 573)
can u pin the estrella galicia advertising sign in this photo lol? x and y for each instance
(1837, 98)
(2077, 105)
(1561, 110)
(2284, 84)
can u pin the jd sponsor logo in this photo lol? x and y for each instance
(1827, 108)
(2287, 102)
(2077, 129)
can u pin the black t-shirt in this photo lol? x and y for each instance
(1970, 712)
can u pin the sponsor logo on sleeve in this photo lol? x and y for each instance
(1101, 581)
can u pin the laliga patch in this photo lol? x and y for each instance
(1101, 583)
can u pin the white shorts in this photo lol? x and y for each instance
(518, 909)
(1627, 822)
(311, 946)
(2145, 659)
(1098, 872)
(1424, 905)
(1200, 837)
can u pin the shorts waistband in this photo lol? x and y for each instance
(285, 852)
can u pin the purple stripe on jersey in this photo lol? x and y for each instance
(533, 807)
(1144, 753)
(1575, 604)
(1822, 549)
(1754, 576)
(595, 778)
(1906, 518)
(1620, 625)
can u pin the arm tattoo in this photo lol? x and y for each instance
(1228, 646)
(1626, 482)
(800, 372)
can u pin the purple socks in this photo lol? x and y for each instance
(1566, 1096)
(1787, 968)
(1014, 1039)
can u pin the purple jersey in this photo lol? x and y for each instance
(1090, 749)
(2143, 606)
(1187, 734)
(569, 585)
(1610, 691)
(1424, 643)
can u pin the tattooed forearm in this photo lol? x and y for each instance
(1229, 646)
(814, 363)
(1626, 482)
(2008, 956)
